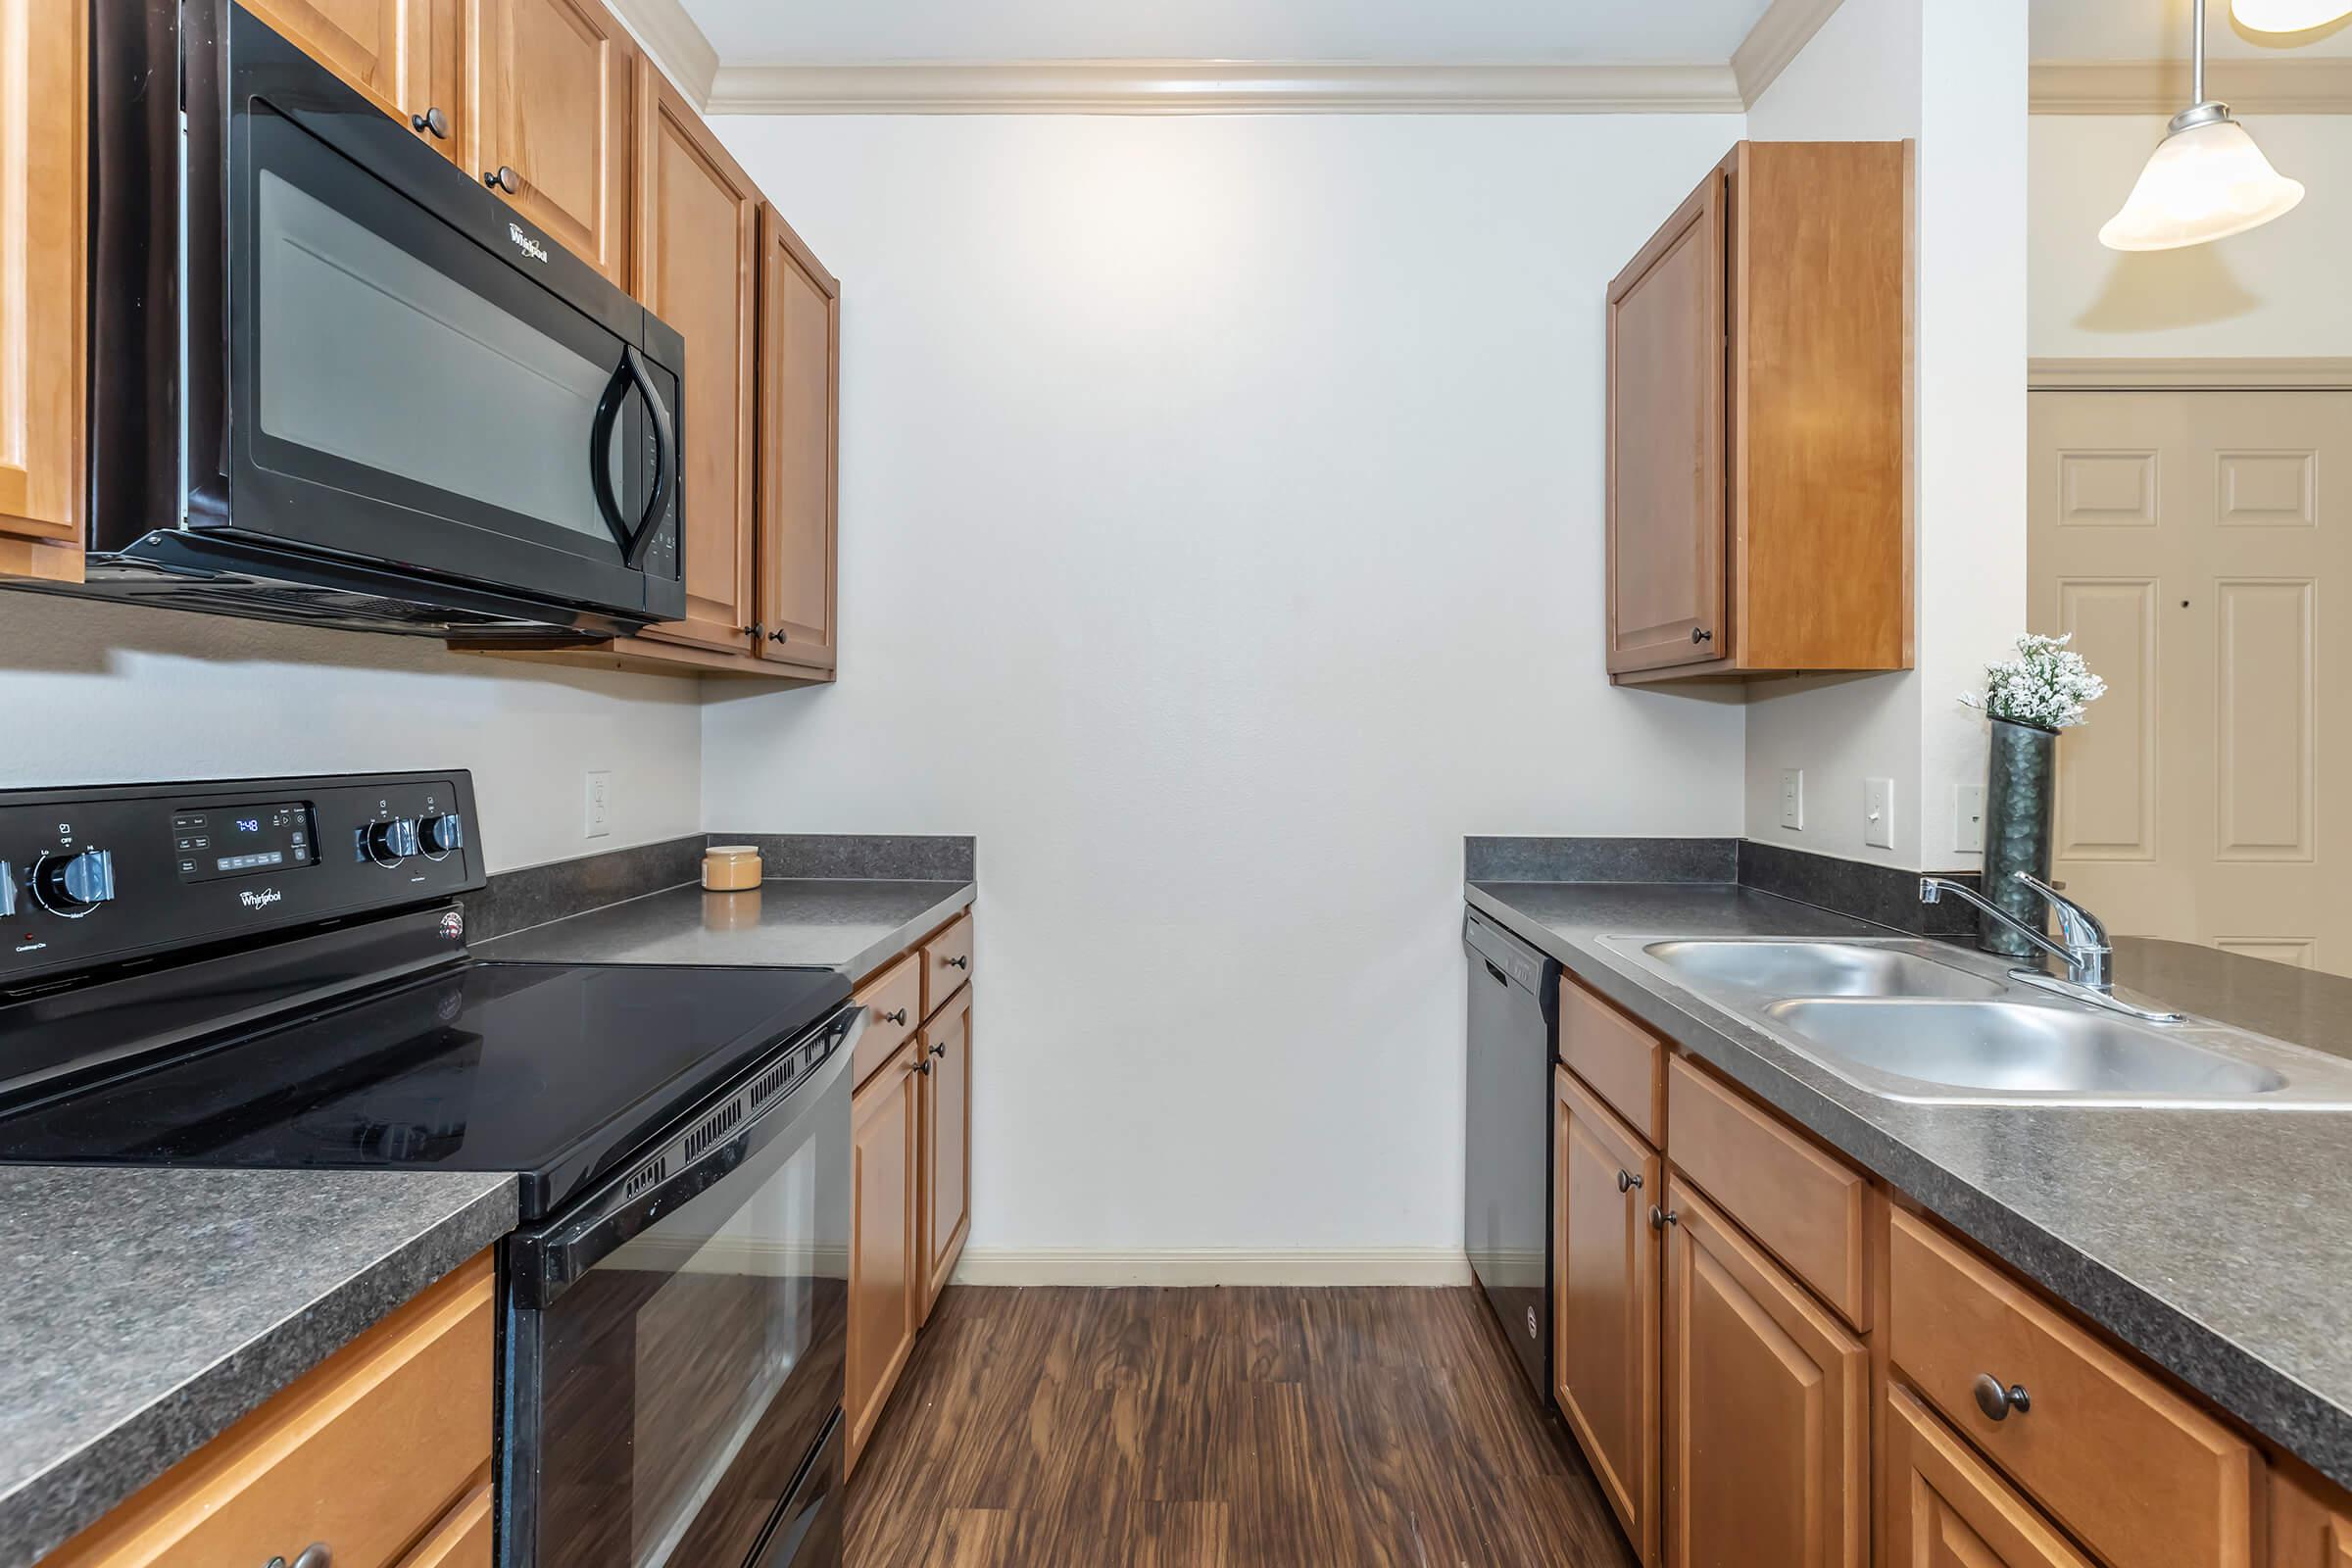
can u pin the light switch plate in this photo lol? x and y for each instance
(1878, 812)
(598, 805)
(1968, 818)
(1792, 798)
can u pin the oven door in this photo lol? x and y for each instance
(417, 376)
(675, 1345)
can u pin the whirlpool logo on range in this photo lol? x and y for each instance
(261, 899)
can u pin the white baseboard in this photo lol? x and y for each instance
(1219, 1265)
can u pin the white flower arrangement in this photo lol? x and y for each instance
(2048, 685)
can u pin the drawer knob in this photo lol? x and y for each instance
(940, 1050)
(1660, 1218)
(1996, 1399)
(897, 1017)
(960, 962)
(1627, 1181)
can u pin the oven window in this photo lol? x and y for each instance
(369, 354)
(692, 1370)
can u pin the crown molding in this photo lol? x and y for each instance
(2188, 375)
(1221, 87)
(2283, 86)
(674, 39)
(1778, 36)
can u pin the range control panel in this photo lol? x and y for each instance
(94, 877)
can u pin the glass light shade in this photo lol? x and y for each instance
(2287, 16)
(2203, 182)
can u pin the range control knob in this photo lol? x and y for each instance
(438, 835)
(389, 842)
(73, 885)
(8, 890)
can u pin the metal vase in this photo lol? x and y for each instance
(2021, 793)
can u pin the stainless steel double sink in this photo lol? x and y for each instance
(1932, 1024)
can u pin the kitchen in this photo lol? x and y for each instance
(1206, 511)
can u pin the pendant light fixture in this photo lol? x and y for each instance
(2288, 16)
(2206, 181)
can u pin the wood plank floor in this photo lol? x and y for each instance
(1236, 1427)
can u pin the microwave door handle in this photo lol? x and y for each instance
(631, 374)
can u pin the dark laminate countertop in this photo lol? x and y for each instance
(2217, 1242)
(839, 923)
(143, 1311)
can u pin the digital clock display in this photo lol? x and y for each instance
(242, 839)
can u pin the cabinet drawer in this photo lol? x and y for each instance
(2140, 1475)
(1806, 1207)
(1623, 1063)
(896, 997)
(946, 963)
(1944, 1505)
(461, 1540)
(405, 1408)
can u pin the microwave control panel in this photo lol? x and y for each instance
(94, 877)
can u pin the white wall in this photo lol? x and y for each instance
(1221, 506)
(95, 693)
(2277, 291)
(1954, 78)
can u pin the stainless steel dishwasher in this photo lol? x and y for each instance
(1514, 1032)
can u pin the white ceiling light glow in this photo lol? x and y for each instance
(2287, 16)
(2205, 181)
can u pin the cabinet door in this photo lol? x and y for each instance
(556, 85)
(799, 380)
(1945, 1508)
(697, 251)
(369, 43)
(2309, 1528)
(885, 1241)
(946, 1145)
(1766, 1423)
(43, 193)
(1666, 440)
(1605, 1301)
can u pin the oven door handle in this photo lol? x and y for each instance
(631, 375)
(544, 1264)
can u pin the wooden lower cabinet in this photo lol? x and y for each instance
(380, 1455)
(1605, 1301)
(1948, 1509)
(1767, 1421)
(2309, 1527)
(946, 1143)
(886, 1261)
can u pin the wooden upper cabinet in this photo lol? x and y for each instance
(1767, 1423)
(372, 44)
(800, 382)
(697, 260)
(554, 114)
(43, 200)
(1666, 435)
(1605, 1301)
(1758, 444)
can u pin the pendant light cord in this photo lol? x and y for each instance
(2196, 55)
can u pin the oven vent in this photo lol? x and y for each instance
(644, 1178)
(766, 1085)
(720, 1123)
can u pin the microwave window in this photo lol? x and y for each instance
(369, 355)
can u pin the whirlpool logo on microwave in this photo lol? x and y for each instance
(526, 243)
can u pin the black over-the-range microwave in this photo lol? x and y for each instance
(335, 380)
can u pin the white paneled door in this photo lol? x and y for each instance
(2199, 547)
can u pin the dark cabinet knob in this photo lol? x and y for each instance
(432, 121)
(960, 962)
(778, 636)
(940, 1050)
(1660, 1218)
(1996, 1398)
(1700, 634)
(754, 631)
(502, 178)
(899, 1017)
(925, 1067)
(1627, 1181)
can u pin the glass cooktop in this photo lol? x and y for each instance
(555, 1071)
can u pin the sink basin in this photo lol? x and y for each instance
(1817, 969)
(2016, 1050)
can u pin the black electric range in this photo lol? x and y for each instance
(273, 974)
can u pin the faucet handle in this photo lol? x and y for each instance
(2078, 927)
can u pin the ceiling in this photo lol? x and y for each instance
(748, 32)
(2159, 29)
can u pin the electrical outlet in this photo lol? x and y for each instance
(598, 805)
(1792, 798)
(1968, 818)
(1878, 812)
